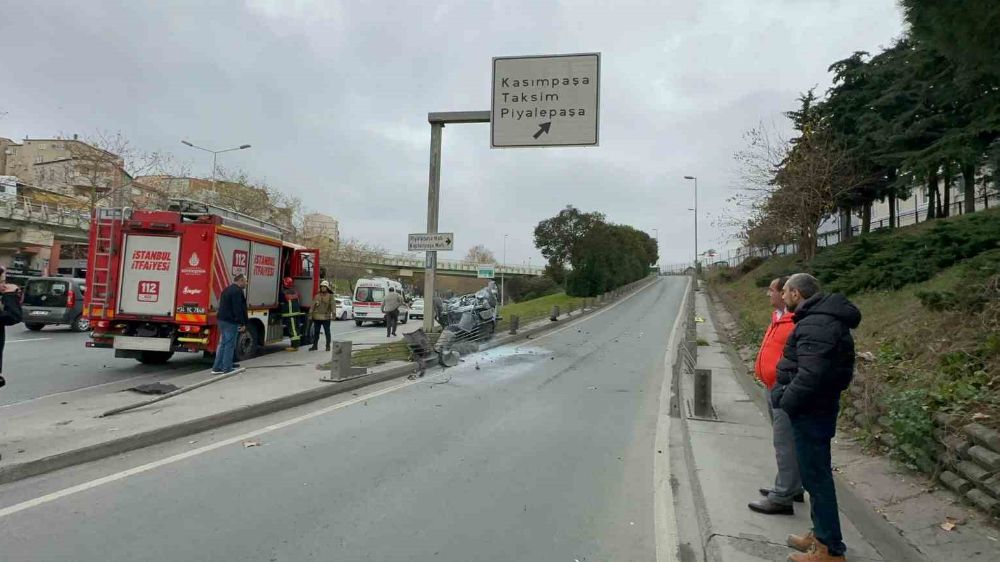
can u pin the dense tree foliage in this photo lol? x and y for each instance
(602, 255)
(919, 115)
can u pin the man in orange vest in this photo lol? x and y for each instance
(787, 484)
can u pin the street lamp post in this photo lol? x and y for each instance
(657, 231)
(215, 155)
(695, 220)
(503, 268)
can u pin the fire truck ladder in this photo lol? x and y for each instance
(107, 223)
(190, 209)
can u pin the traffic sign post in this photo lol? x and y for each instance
(540, 101)
(548, 100)
(443, 241)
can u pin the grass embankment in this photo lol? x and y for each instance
(528, 311)
(930, 301)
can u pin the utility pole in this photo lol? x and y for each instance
(695, 220)
(503, 267)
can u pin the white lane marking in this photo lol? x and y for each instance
(48, 498)
(664, 518)
(32, 339)
(594, 314)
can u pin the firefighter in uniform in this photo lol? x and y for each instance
(291, 313)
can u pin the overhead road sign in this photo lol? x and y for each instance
(486, 271)
(547, 100)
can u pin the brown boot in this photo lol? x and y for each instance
(802, 543)
(819, 553)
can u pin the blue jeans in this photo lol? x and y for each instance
(812, 446)
(227, 346)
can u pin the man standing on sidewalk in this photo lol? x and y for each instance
(390, 306)
(787, 483)
(817, 365)
(232, 319)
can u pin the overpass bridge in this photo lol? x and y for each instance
(401, 264)
(28, 221)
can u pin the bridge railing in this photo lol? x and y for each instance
(23, 209)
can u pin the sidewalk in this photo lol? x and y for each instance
(733, 457)
(887, 513)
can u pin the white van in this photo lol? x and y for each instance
(368, 297)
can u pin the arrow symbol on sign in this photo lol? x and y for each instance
(447, 240)
(543, 128)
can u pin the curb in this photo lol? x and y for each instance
(885, 537)
(19, 471)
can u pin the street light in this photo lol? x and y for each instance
(503, 267)
(695, 220)
(215, 155)
(657, 231)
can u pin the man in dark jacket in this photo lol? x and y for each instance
(10, 312)
(817, 365)
(232, 319)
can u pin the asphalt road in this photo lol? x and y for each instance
(55, 360)
(542, 452)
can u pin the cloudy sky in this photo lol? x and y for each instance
(334, 96)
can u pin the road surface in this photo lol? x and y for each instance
(55, 360)
(539, 452)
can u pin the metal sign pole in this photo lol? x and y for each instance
(438, 121)
(433, 200)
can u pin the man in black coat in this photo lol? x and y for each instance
(231, 319)
(817, 365)
(10, 312)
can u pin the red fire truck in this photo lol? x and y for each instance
(154, 279)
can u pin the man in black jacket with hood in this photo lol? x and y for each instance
(817, 365)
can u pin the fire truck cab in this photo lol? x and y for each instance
(155, 277)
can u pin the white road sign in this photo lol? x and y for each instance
(549, 100)
(442, 241)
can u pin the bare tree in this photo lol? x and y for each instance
(105, 165)
(480, 254)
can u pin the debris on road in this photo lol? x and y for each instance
(153, 388)
(251, 443)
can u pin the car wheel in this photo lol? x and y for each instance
(154, 357)
(34, 327)
(358, 323)
(343, 315)
(81, 324)
(405, 319)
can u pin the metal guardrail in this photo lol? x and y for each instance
(20, 208)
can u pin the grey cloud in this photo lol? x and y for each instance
(333, 96)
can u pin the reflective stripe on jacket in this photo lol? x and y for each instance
(766, 367)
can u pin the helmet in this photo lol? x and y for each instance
(287, 282)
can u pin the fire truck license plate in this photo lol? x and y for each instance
(142, 344)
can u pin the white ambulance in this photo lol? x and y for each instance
(368, 297)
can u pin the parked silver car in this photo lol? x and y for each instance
(54, 300)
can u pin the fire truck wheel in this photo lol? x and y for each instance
(154, 357)
(246, 344)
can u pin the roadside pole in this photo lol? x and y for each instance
(438, 121)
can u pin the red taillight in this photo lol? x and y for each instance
(70, 299)
(189, 329)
